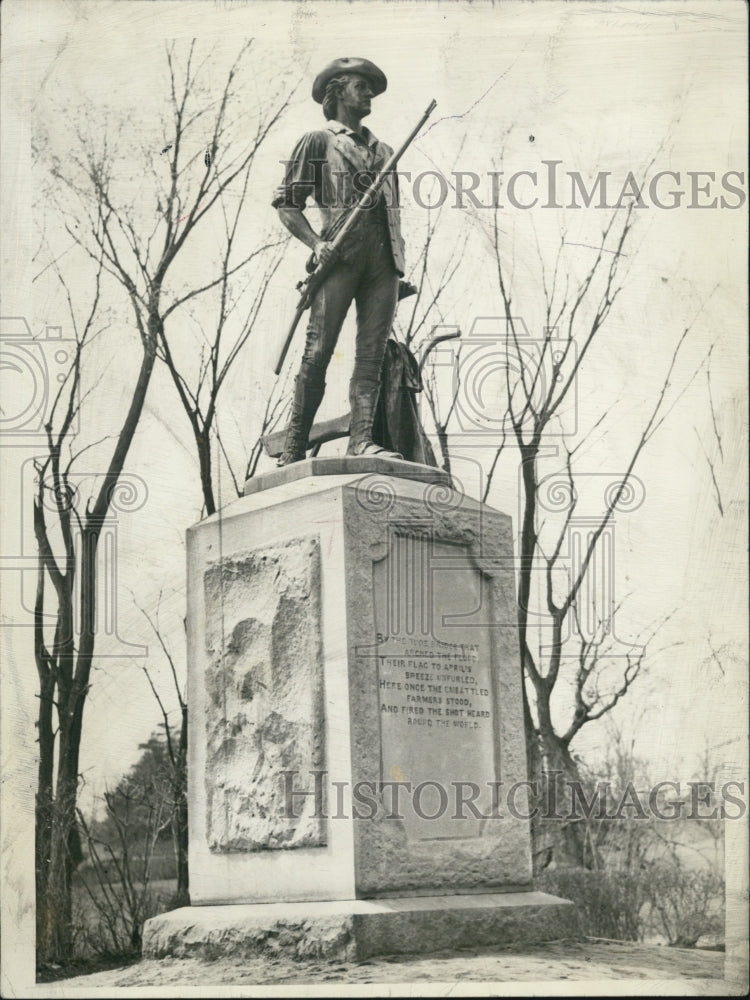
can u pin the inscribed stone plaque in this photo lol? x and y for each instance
(435, 679)
(264, 686)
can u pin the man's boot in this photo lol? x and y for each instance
(363, 400)
(308, 393)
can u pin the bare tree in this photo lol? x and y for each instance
(243, 273)
(199, 394)
(136, 239)
(64, 665)
(538, 387)
(120, 894)
(177, 746)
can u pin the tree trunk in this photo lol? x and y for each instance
(568, 836)
(55, 918)
(44, 789)
(203, 446)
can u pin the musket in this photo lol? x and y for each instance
(311, 284)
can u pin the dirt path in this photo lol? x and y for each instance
(558, 962)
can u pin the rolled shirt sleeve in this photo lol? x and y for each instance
(303, 173)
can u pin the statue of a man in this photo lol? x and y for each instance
(335, 165)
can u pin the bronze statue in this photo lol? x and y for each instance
(335, 165)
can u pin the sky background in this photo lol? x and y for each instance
(600, 88)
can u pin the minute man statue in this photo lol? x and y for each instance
(335, 165)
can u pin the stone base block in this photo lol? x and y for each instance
(357, 929)
(352, 637)
(347, 465)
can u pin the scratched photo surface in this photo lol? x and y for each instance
(575, 207)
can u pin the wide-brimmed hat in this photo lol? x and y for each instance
(349, 65)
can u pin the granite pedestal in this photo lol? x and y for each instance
(356, 745)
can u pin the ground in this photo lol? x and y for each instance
(557, 962)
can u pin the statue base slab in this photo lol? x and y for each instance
(347, 465)
(353, 930)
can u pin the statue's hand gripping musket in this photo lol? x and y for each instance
(310, 285)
